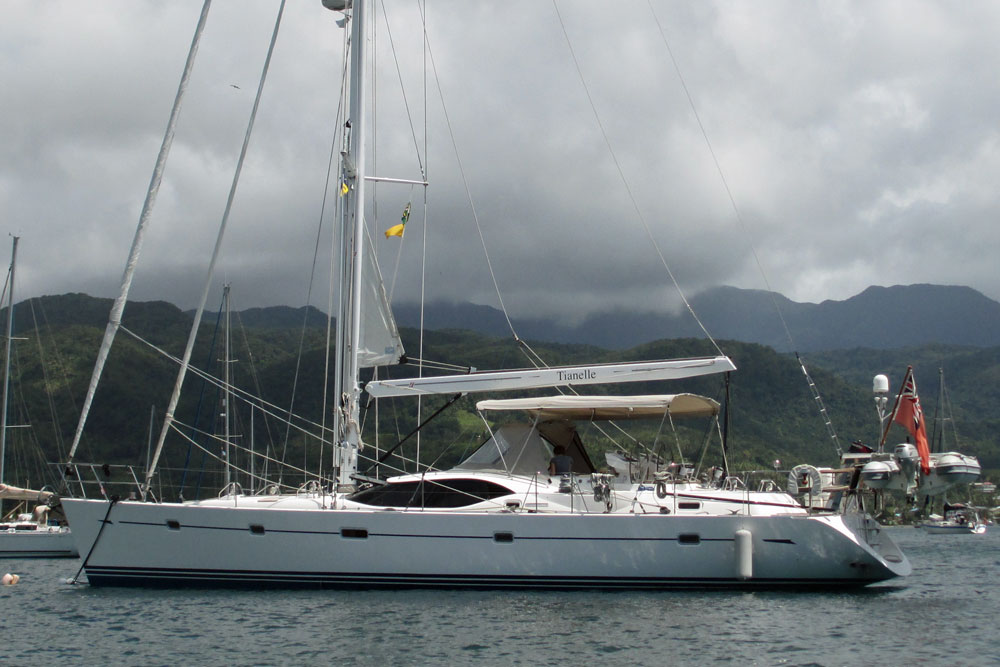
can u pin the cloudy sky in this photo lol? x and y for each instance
(858, 140)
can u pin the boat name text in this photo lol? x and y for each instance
(570, 376)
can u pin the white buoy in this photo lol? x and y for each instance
(744, 554)
(9, 579)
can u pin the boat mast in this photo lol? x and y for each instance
(118, 307)
(940, 417)
(168, 418)
(6, 367)
(226, 395)
(346, 418)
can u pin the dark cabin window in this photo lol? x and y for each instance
(431, 494)
(357, 533)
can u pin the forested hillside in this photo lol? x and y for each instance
(773, 414)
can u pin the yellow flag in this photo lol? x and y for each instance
(397, 230)
(344, 189)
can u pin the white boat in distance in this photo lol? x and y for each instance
(957, 520)
(32, 534)
(498, 519)
(26, 534)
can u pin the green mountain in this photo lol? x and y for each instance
(879, 317)
(773, 414)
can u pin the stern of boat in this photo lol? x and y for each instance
(873, 539)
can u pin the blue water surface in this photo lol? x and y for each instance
(943, 614)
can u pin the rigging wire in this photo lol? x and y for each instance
(402, 88)
(465, 181)
(269, 409)
(534, 358)
(207, 452)
(624, 181)
(718, 166)
(28, 457)
(312, 278)
(57, 436)
(175, 396)
(197, 413)
(118, 308)
(743, 225)
(255, 379)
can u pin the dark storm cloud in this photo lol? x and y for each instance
(857, 140)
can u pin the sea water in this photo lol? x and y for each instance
(945, 613)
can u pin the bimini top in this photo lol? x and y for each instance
(595, 408)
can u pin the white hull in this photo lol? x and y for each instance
(44, 542)
(145, 544)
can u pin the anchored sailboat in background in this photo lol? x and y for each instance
(31, 528)
(956, 518)
(501, 517)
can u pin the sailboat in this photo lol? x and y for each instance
(502, 517)
(953, 467)
(31, 533)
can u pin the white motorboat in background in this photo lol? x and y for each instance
(958, 519)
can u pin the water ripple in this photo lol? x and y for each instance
(942, 614)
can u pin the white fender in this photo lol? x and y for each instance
(744, 553)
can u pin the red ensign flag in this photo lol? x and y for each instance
(911, 417)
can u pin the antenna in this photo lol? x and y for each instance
(880, 387)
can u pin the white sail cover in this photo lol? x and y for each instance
(563, 376)
(607, 407)
(380, 344)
